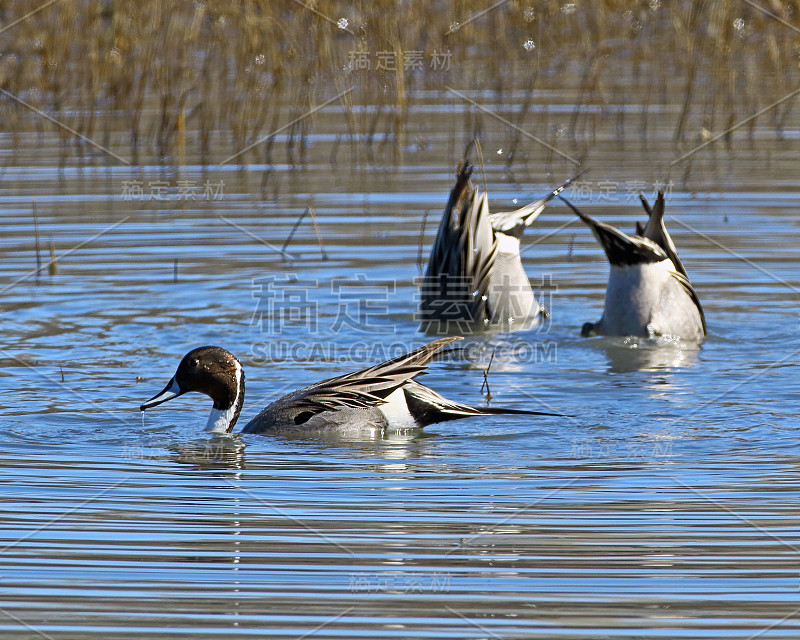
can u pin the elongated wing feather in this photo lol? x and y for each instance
(365, 388)
(689, 289)
(656, 230)
(457, 277)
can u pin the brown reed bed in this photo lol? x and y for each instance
(208, 78)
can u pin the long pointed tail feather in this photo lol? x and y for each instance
(428, 407)
(506, 221)
(620, 248)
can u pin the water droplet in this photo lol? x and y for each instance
(455, 26)
(654, 5)
(738, 24)
(569, 8)
(514, 201)
(342, 23)
(261, 58)
(530, 15)
(499, 152)
(529, 45)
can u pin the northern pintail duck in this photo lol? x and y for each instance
(384, 395)
(475, 278)
(648, 293)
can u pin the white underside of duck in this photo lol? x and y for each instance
(647, 300)
(513, 303)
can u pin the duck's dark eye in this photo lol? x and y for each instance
(302, 418)
(194, 363)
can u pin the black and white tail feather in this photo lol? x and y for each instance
(652, 244)
(465, 256)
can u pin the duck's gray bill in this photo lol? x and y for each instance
(172, 390)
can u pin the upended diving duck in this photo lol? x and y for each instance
(648, 292)
(475, 279)
(384, 395)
